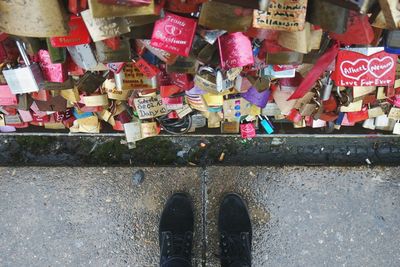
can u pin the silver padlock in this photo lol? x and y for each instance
(212, 81)
(85, 58)
(327, 87)
(26, 79)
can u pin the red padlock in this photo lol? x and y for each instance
(114, 43)
(146, 68)
(183, 80)
(76, 6)
(78, 34)
(174, 34)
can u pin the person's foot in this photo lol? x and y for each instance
(176, 231)
(235, 232)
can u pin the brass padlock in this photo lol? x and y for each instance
(100, 10)
(91, 81)
(327, 15)
(261, 83)
(39, 18)
(104, 28)
(107, 55)
(215, 15)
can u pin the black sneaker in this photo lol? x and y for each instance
(235, 231)
(176, 231)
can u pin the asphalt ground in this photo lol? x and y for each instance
(101, 216)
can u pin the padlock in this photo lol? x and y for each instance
(396, 128)
(146, 68)
(188, 6)
(257, 98)
(91, 81)
(84, 57)
(235, 50)
(132, 3)
(141, 31)
(212, 81)
(215, 15)
(184, 65)
(57, 54)
(55, 86)
(327, 15)
(392, 42)
(303, 41)
(40, 18)
(284, 58)
(78, 34)
(131, 78)
(391, 13)
(7, 98)
(32, 45)
(76, 6)
(24, 79)
(327, 86)
(361, 6)
(174, 34)
(209, 55)
(182, 80)
(261, 83)
(104, 28)
(359, 31)
(282, 15)
(167, 57)
(100, 10)
(24, 101)
(52, 72)
(253, 4)
(107, 55)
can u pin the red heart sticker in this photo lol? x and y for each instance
(354, 70)
(380, 66)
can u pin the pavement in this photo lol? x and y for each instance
(100, 216)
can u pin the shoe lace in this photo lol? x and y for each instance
(236, 248)
(178, 245)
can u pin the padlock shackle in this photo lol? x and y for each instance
(23, 53)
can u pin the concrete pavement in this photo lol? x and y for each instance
(302, 216)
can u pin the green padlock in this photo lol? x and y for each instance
(57, 54)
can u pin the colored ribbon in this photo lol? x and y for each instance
(320, 66)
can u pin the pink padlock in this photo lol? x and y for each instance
(247, 130)
(7, 98)
(235, 50)
(52, 72)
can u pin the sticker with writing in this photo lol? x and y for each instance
(357, 69)
(150, 107)
(174, 34)
(283, 15)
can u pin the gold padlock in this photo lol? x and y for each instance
(39, 18)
